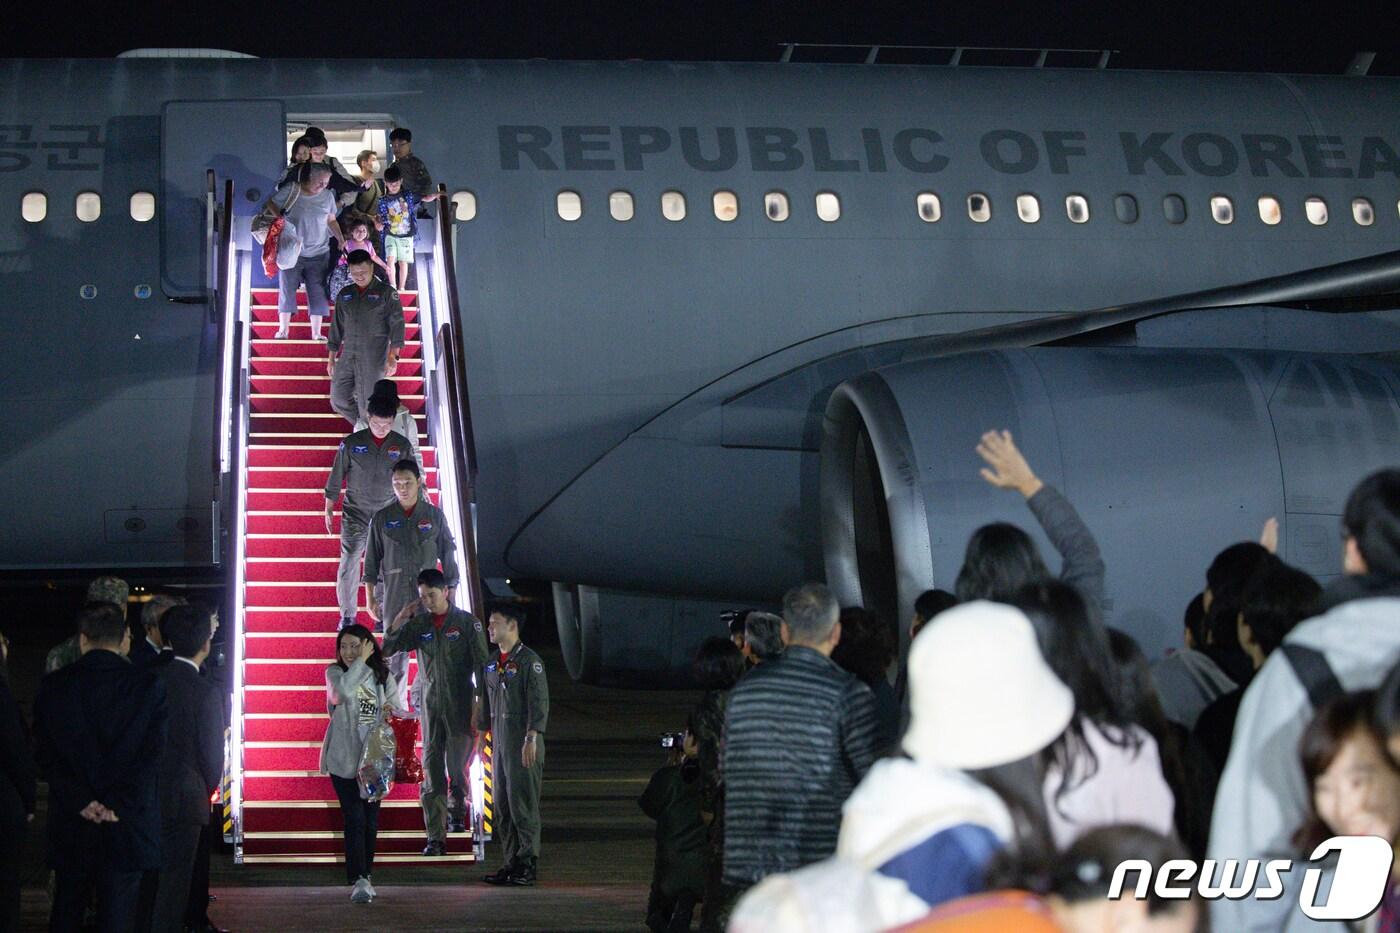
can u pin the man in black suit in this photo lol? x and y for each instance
(153, 649)
(194, 760)
(99, 730)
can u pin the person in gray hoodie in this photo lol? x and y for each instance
(1263, 796)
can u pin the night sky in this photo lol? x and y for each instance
(1229, 36)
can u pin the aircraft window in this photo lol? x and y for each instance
(1270, 211)
(979, 208)
(1125, 208)
(673, 205)
(143, 206)
(620, 206)
(726, 206)
(930, 209)
(775, 205)
(828, 206)
(34, 206)
(1316, 209)
(1222, 210)
(463, 206)
(1027, 208)
(88, 206)
(1174, 208)
(1077, 208)
(569, 205)
(1362, 212)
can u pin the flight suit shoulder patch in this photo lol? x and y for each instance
(538, 668)
(477, 625)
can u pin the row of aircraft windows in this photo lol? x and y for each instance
(87, 206)
(929, 207)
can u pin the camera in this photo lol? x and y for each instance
(672, 739)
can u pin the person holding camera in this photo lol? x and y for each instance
(672, 798)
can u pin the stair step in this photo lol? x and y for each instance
(321, 545)
(303, 785)
(402, 843)
(319, 456)
(318, 423)
(267, 313)
(311, 403)
(302, 500)
(287, 698)
(267, 297)
(290, 348)
(309, 478)
(301, 330)
(314, 365)
(309, 620)
(405, 815)
(320, 385)
(284, 727)
(294, 673)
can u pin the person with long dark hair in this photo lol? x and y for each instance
(867, 649)
(360, 691)
(1185, 764)
(1068, 893)
(1105, 768)
(1002, 558)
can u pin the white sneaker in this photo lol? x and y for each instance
(362, 893)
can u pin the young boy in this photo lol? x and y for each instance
(398, 224)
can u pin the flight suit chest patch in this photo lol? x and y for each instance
(426, 636)
(360, 449)
(425, 527)
(393, 453)
(372, 297)
(452, 634)
(394, 523)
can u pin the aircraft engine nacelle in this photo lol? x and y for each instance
(1169, 455)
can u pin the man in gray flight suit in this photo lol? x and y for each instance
(405, 537)
(452, 655)
(518, 695)
(365, 340)
(364, 464)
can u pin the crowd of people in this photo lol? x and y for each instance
(996, 778)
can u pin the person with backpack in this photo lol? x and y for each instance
(1351, 645)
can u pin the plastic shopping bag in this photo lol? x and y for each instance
(288, 247)
(376, 774)
(407, 768)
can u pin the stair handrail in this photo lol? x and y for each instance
(459, 412)
(223, 288)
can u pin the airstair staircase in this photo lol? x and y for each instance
(282, 562)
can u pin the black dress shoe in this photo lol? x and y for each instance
(523, 875)
(500, 875)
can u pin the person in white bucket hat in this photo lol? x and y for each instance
(920, 830)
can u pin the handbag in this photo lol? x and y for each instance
(376, 772)
(272, 240)
(408, 769)
(268, 215)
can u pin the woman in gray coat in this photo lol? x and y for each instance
(360, 692)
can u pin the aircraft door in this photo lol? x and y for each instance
(245, 140)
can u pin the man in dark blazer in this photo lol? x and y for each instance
(193, 763)
(99, 731)
(152, 649)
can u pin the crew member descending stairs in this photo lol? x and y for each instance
(290, 813)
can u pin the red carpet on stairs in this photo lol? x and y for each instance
(289, 809)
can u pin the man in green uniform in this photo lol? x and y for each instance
(366, 336)
(452, 654)
(405, 537)
(518, 696)
(112, 590)
(364, 466)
